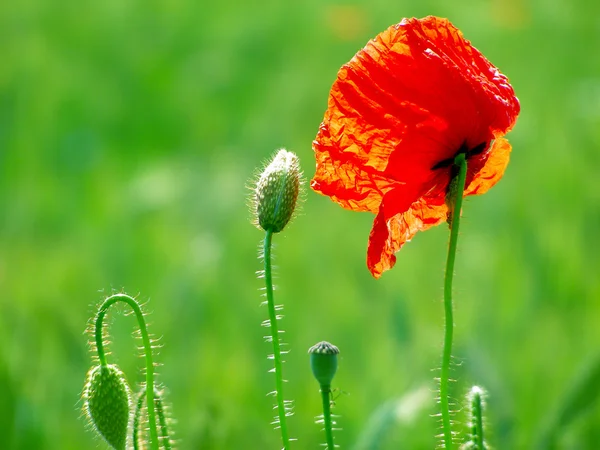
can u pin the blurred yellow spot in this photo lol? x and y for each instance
(346, 22)
(511, 14)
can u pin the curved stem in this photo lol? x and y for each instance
(455, 208)
(147, 353)
(325, 394)
(275, 339)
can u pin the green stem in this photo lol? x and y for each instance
(162, 419)
(137, 418)
(147, 352)
(325, 396)
(477, 419)
(275, 340)
(455, 210)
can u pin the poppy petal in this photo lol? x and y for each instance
(405, 104)
(492, 170)
(408, 99)
(342, 177)
(388, 236)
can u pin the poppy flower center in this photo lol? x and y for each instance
(463, 149)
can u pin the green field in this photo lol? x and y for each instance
(129, 131)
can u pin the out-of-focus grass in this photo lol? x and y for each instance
(128, 131)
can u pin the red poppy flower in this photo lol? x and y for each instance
(399, 112)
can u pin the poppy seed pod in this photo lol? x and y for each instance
(276, 192)
(323, 362)
(106, 396)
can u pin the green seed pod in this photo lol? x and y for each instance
(276, 192)
(106, 396)
(323, 361)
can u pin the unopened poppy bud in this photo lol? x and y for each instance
(106, 397)
(323, 361)
(276, 191)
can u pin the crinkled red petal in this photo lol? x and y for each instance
(411, 98)
(389, 234)
(492, 170)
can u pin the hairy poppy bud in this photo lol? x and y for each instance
(106, 397)
(323, 361)
(276, 192)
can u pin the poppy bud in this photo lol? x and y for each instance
(276, 191)
(323, 361)
(106, 397)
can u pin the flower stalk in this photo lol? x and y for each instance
(323, 361)
(165, 439)
(454, 200)
(273, 317)
(476, 403)
(147, 353)
(273, 203)
(327, 422)
(162, 419)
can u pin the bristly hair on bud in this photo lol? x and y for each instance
(106, 404)
(275, 194)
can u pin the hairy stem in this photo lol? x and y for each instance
(275, 340)
(147, 353)
(137, 418)
(325, 396)
(477, 421)
(455, 209)
(162, 419)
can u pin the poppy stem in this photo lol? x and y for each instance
(162, 419)
(147, 353)
(456, 189)
(327, 422)
(477, 417)
(273, 317)
(323, 362)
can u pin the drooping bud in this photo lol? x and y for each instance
(323, 362)
(106, 396)
(276, 192)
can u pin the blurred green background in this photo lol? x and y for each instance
(128, 133)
